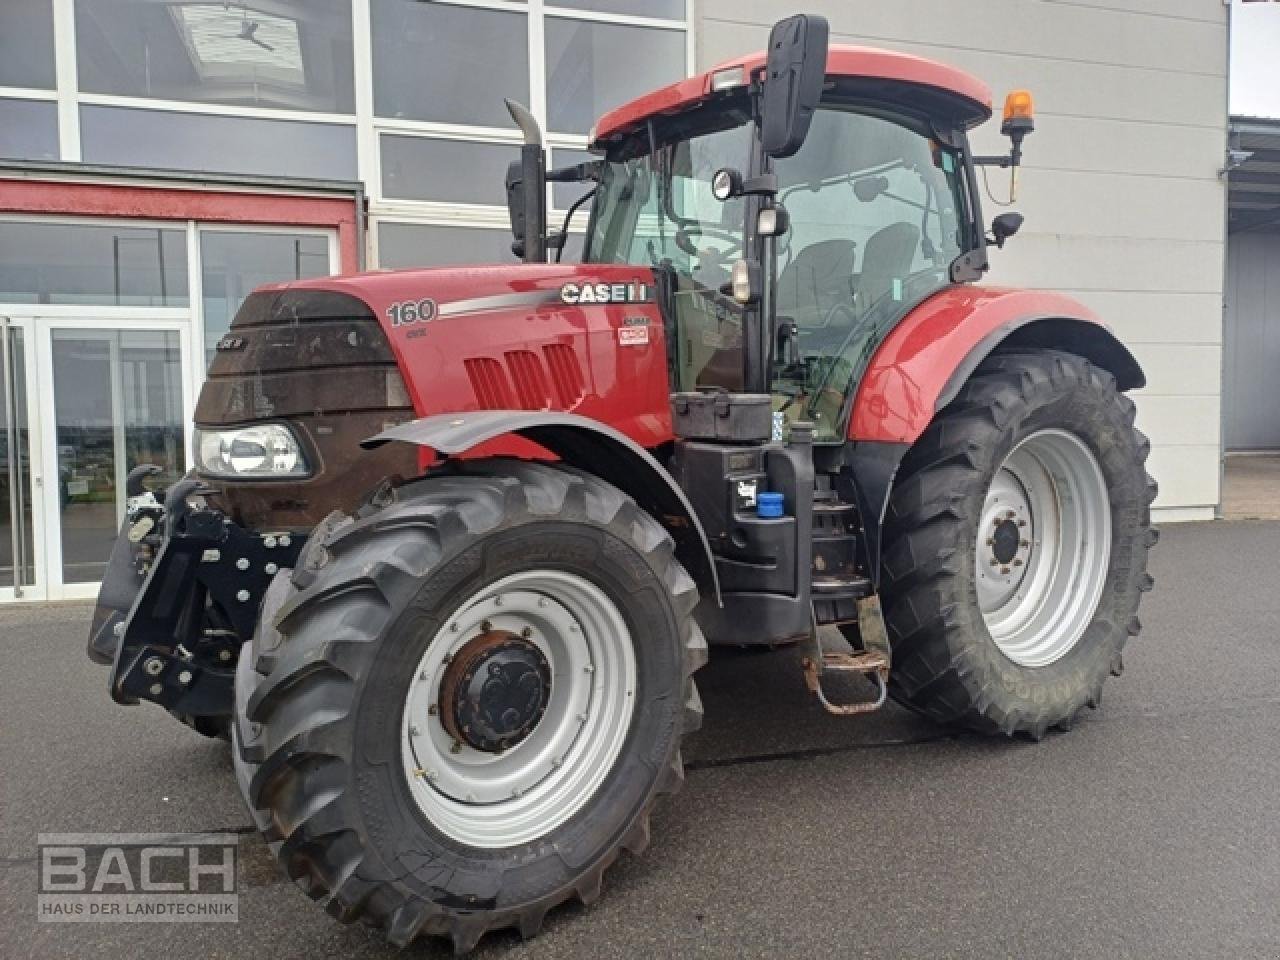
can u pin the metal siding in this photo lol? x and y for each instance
(1251, 393)
(1121, 192)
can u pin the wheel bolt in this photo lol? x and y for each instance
(995, 562)
(457, 747)
(414, 731)
(271, 569)
(432, 710)
(224, 655)
(184, 677)
(154, 666)
(242, 563)
(497, 601)
(527, 632)
(486, 626)
(1004, 569)
(242, 596)
(1017, 561)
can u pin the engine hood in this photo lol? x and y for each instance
(583, 338)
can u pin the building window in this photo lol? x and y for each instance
(447, 63)
(443, 135)
(405, 245)
(26, 44)
(594, 67)
(291, 54)
(28, 130)
(168, 140)
(456, 171)
(92, 264)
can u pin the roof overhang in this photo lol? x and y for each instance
(842, 61)
(1253, 175)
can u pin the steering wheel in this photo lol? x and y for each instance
(684, 240)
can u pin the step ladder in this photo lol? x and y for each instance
(871, 661)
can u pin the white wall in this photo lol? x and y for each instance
(1120, 188)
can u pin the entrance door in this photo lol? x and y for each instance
(21, 572)
(113, 397)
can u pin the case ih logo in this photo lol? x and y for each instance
(137, 878)
(633, 292)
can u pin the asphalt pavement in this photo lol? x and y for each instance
(1151, 830)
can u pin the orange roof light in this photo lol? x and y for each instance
(1019, 106)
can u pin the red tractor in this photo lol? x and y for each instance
(457, 538)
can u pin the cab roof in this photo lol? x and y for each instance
(843, 61)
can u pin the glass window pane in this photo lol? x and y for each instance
(233, 263)
(423, 168)
(294, 54)
(28, 130)
(91, 264)
(665, 9)
(117, 404)
(26, 44)
(594, 67)
(563, 194)
(160, 139)
(436, 61)
(402, 245)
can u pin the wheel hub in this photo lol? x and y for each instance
(495, 690)
(1043, 547)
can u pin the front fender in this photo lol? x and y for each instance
(921, 365)
(588, 445)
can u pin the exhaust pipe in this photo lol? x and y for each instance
(527, 190)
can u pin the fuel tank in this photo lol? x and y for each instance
(341, 358)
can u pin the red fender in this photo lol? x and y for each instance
(921, 365)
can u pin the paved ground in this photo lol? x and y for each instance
(1152, 830)
(1251, 487)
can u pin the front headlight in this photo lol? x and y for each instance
(264, 450)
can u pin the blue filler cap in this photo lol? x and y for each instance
(769, 505)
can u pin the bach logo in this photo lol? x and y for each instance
(137, 878)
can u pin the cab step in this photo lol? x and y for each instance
(872, 661)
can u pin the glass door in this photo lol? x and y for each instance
(115, 396)
(20, 553)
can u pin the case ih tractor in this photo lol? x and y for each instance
(457, 538)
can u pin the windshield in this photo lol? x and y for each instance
(657, 210)
(877, 212)
(876, 207)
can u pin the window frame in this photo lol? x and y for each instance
(368, 127)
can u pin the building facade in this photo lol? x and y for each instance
(160, 158)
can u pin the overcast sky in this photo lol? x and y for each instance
(1255, 59)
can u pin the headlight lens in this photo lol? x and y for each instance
(265, 450)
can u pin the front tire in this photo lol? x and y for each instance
(1016, 547)
(384, 774)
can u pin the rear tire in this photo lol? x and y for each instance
(339, 695)
(1016, 547)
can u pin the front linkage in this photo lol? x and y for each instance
(181, 595)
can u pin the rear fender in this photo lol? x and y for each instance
(924, 361)
(588, 445)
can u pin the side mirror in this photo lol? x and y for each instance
(794, 72)
(1005, 226)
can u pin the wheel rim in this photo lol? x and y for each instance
(1043, 547)
(559, 751)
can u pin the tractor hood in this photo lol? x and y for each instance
(339, 359)
(583, 338)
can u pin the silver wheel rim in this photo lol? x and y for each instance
(496, 800)
(1044, 545)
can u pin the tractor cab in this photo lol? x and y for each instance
(783, 264)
